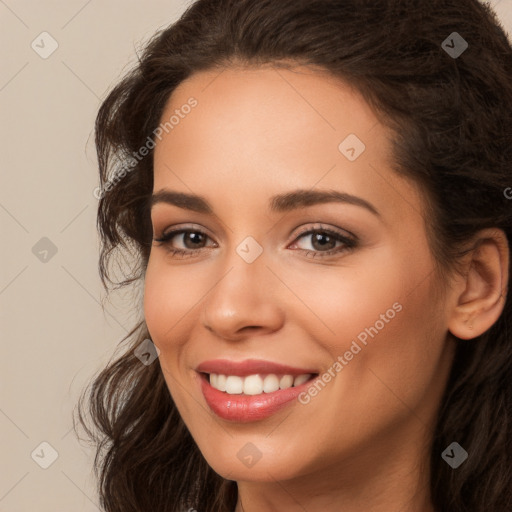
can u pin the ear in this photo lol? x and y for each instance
(480, 294)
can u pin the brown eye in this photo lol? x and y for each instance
(191, 241)
(323, 242)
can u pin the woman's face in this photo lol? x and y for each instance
(339, 286)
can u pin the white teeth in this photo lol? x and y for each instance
(300, 379)
(234, 385)
(255, 384)
(270, 383)
(286, 382)
(221, 383)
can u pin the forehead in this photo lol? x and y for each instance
(295, 103)
(268, 129)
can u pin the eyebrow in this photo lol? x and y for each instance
(286, 202)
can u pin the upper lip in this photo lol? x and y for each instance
(249, 367)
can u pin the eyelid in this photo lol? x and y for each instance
(303, 231)
(320, 227)
(185, 227)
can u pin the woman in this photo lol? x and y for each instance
(313, 194)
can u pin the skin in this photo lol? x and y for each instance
(363, 442)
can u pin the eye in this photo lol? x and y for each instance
(324, 242)
(192, 239)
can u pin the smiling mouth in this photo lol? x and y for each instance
(255, 384)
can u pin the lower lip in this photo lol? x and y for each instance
(247, 408)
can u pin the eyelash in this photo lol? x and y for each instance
(349, 243)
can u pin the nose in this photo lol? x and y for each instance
(244, 302)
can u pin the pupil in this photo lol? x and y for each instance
(319, 236)
(195, 238)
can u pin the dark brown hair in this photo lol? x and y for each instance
(452, 124)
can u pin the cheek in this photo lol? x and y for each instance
(386, 323)
(337, 304)
(399, 365)
(169, 295)
(169, 299)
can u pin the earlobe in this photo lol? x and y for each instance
(481, 293)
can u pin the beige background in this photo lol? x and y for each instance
(54, 333)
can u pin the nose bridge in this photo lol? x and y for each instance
(243, 296)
